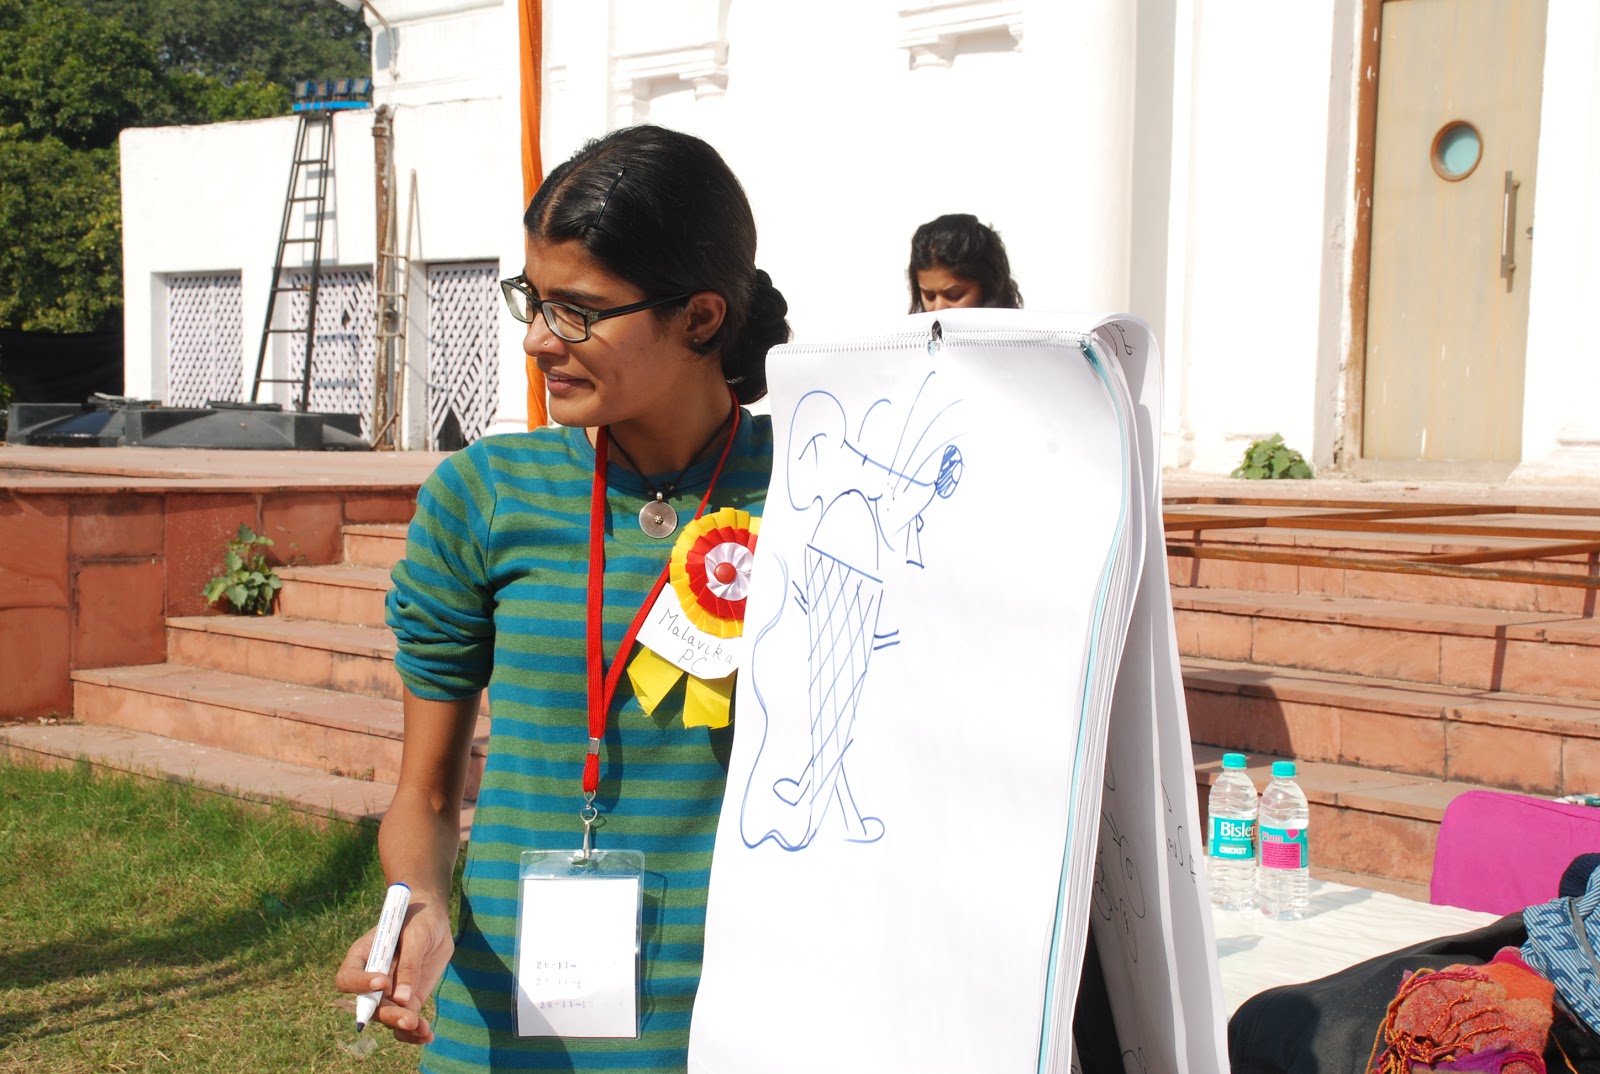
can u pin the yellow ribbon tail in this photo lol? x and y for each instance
(652, 678)
(708, 704)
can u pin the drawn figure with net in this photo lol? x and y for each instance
(870, 486)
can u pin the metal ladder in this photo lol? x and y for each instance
(309, 179)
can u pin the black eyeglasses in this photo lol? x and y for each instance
(569, 322)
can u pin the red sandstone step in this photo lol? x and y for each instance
(1440, 530)
(1375, 824)
(1541, 653)
(1187, 572)
(1530, 743)
(341, 594)
(374, 545)
(329, 656)
(343, 734)
(240, 775)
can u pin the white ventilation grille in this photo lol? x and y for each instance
(463, 351)
(343, 362)
(205, 339)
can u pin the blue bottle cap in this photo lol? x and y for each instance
(1234, 760)
(1283, 769)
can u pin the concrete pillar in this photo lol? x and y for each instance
(1081, 65)
(1560, 422)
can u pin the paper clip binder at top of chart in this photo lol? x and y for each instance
(960, 740)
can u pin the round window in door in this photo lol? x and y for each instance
(1456, 150)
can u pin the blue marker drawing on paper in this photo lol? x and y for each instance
(871, 488)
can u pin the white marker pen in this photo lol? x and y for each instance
(382, 953)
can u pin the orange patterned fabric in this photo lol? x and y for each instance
(1489, 1019)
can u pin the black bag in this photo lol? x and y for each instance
(1329, 1026)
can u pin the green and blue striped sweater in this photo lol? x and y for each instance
(492, 594)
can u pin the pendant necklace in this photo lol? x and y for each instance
(656, 517)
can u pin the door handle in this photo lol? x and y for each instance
(1508, 230)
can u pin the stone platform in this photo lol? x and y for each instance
(100, 546)
(1395, 691)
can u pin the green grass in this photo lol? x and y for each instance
(145, 926)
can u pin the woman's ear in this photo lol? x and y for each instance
(703, 316)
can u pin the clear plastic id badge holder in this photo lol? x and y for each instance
(577, 950)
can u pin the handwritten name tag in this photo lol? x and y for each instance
(668, 632)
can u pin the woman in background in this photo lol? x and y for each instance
(958, 262)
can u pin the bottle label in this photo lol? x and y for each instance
(1283, 848)
(1232, 839)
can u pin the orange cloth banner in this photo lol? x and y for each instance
(530, 40)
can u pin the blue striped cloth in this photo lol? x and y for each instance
(1563, 936)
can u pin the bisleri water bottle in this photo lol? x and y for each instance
(1283, 882)
(1231, 847)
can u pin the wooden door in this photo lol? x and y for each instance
(1452, 224)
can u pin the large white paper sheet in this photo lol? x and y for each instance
(1150, 887)
(943, 608)
(1151, 916)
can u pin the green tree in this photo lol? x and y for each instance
(75, 77)
(277, 41)
(60, 210)
(75, 73)
(199, 99)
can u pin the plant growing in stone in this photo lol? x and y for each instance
(1269, 458)
(247, 579)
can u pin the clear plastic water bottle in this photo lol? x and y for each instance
(1231, 848)
(1283, 882)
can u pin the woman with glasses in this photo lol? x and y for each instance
(958, 262)
(529, 563)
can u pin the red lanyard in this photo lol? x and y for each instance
(602, 684)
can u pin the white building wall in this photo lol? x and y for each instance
(211, 198)
(852, 125)
(1190, 160)
(197, 199)
(1169, 158)
(1561, 421)
(1255, 187)
(438, 50)
(501, 183)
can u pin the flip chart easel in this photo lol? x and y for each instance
(960, 735)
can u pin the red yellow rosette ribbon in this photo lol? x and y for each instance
(711, 570)
(709, 576)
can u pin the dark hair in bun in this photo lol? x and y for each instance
(662, 210)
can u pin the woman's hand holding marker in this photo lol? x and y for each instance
(391, 990)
